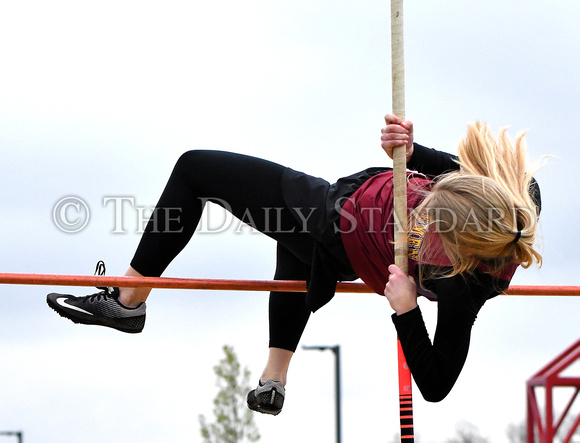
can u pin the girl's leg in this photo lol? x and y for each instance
(133, 296)
(251, 189)
(288, 315)
(277, 365)
(248, 187)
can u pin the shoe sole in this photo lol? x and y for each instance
(98, 321)
(269, 402)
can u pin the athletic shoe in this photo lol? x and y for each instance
(267, 398)
(102, 308)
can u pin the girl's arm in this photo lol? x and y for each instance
(419, 158)
(431, 162)
(436, 365)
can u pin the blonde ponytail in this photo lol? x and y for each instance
(484, 212)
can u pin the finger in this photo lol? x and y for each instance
(394, 143)
(395, 139)
(395, 270)
(394, 129)
(391, 119)
(399, 134)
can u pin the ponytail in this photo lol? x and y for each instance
(485, 212)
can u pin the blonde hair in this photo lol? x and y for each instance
(483, 213)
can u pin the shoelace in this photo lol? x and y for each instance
(98, 296)
(100, 268)
(100, 271)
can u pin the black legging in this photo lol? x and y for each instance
(251, 189)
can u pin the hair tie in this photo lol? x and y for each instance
(517, 237)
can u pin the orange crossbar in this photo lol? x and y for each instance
(231, 285)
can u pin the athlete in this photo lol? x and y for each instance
(473, 221)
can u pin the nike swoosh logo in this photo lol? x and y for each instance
(62, 301)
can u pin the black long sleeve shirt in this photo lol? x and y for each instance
(436, 365)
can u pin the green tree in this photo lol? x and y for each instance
(234, 422)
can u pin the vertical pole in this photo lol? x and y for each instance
(549, 435)
(530, 414)
(399, 154)
(400, 207)
(336, 350)
(405, 398)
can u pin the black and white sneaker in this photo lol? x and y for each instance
(102, 308)
(267, 398)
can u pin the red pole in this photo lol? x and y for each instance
(405, 397)
(543, 290)
(549, 435)
(234, 285)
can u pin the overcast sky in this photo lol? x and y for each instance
(99, 99)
